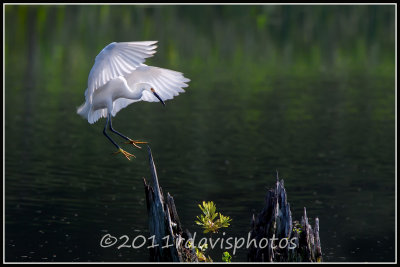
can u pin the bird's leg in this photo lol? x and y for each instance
(130, 141)
(120, 150)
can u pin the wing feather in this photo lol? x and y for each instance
(167, 83)
(118, 59)
(121, 103)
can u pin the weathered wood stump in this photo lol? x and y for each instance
(274, 222)
(168, 242)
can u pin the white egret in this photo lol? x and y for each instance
(119, 78)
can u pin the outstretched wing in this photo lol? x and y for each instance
(166, 83)
(118, 59)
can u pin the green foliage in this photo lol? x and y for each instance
(226, 257)
(200, 252)
(295, 40)
(297, 227)
(211, 221)
(208, 219)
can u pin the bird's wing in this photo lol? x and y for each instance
(121, 103)
(118, 59)
(166, 83)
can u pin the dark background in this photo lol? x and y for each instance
(305, 90)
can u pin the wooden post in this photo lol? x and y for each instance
(169, 240)
(275, 221)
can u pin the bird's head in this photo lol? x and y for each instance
(147, 87)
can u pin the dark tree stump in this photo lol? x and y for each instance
(275, 221)
(168, 244)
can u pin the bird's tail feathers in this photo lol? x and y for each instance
(83, 110)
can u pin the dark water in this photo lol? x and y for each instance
(321, 113)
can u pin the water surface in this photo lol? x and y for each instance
(291, 89)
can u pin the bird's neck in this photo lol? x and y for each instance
(134, 94)
(136, 91)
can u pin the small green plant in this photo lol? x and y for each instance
(200, 252)
(226, 257)
(209, 221)
(297, 228)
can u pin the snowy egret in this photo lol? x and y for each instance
(119, 78)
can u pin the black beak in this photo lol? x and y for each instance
(159, 98)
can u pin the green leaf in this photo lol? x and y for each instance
(208, 220)
(226, 257)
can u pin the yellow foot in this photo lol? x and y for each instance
(126, 154)
(133, 142)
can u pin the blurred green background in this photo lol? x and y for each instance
(306, 90)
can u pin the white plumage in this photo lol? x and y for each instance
(119, 78)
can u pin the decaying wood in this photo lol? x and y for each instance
(169, 242)
(275, 221)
